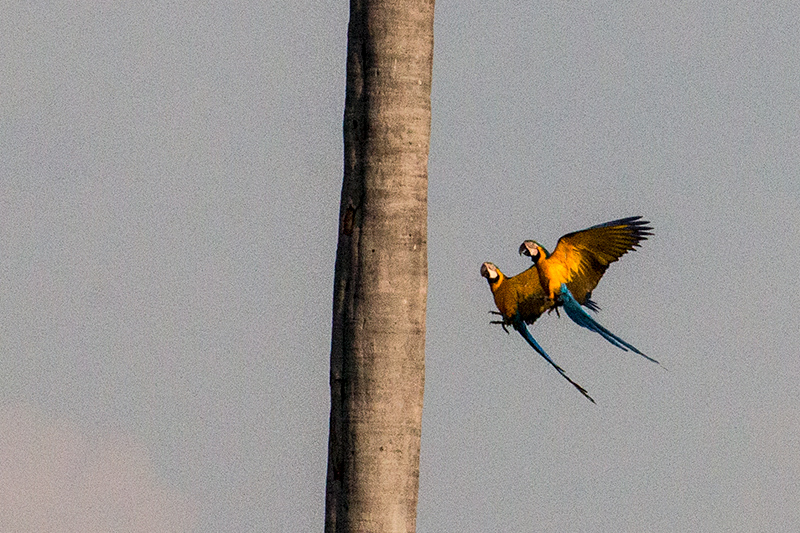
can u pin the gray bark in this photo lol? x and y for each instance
(380, 286)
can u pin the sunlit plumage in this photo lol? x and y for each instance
(582, 257)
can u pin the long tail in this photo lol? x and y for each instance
(582, 318)
(520, 326)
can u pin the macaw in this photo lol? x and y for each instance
(578, 262)
(581, 258)
(521, 300)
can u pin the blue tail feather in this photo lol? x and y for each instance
(520, 326)
(582, 318)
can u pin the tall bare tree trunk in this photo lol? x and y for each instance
(380, 288)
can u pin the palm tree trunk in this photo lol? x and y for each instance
(380, 287)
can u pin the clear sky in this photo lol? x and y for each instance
(169, 188)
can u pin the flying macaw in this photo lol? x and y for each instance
(521, 300)
(579, 260)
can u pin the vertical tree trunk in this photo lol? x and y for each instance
(380, 287)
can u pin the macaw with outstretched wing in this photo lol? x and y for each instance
(569, 275)
(582, 257)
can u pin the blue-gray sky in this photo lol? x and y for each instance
(169, 187)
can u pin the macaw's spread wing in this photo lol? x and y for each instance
(583, 256)
(582, 318)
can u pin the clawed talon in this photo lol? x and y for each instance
(502, 324)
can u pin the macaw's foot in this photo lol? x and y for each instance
(502, 324)
(552, 302)
(555, 308)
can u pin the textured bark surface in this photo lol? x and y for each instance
(380, 287)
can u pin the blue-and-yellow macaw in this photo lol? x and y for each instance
(521, 300)
(570, 274)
